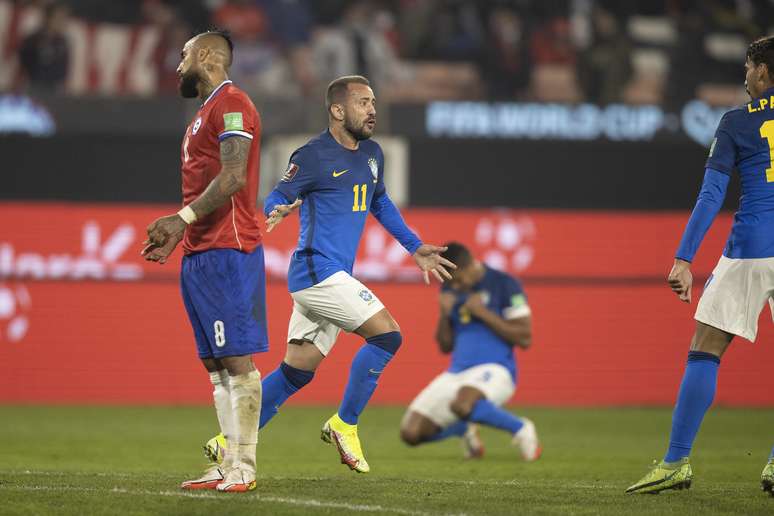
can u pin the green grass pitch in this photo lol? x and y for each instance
(130, 460)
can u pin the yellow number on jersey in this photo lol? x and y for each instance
(359, 203)
(767, 132)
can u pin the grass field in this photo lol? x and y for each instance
(107, 460)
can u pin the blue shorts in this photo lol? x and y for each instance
(224, 292)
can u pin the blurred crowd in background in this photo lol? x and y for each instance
(601, 51)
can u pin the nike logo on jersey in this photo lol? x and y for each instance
(374, 372)
(337, 174)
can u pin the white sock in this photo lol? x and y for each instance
(222, 396)
(246, 407)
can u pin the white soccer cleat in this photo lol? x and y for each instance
(472, 445)
(211, 478)
(239, 479)
(527, 441)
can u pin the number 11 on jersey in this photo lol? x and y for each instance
(359, 204)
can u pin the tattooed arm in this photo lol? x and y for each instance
(232, 177)
(166, 232)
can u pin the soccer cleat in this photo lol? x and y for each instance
(344, 436)
(211, 478)
(215, 449)
(663, 476)
(239, 479)
(767, 478)
(472, 445)
(526, 440)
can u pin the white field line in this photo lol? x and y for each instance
(211, 496)
(503, 483)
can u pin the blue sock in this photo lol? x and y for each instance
(459, 428)
(771, 457)
(367, 366)
(281, 384)
(694, 399)
(487, 413)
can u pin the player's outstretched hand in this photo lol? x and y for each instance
(681, 280)
(279, 212)
(429, 260)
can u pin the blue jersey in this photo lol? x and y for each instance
(744, 141)
(339, 187)
(474, 342)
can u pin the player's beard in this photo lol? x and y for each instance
(360, 133)
(188, 85)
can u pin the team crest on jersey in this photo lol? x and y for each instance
(374, 166)
(290, 173)
(196, 126)
(365, 295)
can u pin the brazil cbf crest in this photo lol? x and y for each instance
(374, 166)
(365, 295)
(196, 126)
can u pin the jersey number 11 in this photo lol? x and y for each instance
(359, 204)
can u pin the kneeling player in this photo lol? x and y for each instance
(484, 313)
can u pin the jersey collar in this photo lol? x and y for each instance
(216, 90)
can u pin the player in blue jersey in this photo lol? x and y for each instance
(336, 180)
(743, 280)
(484, 314)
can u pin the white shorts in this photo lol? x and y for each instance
(736, 293)
(339, 302)
(434, 402)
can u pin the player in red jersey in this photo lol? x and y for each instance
(222, 278)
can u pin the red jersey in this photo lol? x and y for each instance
(227, 112)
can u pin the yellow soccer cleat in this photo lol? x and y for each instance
(344, 436)
(663, 476)
(767, 478)
(215, 449)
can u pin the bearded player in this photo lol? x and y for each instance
(336, 180)
(742, 283)
(222, 278)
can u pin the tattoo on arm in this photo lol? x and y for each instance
(231, 179)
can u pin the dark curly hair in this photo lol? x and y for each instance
(458, 254)
(761, 51)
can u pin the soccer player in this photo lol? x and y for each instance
(484, 314)
(222, 278)
(743, 280)
(336, 179)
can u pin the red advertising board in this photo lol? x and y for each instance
(84, 320)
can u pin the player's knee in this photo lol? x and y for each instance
(461, 407)
(410, 436)
(389, 341)
(296, 377)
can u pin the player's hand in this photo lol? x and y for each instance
(161, 229)
(429, 259)
(474, 304)
(279, 212)
(681, 280)
(164, 234)
(447, 300)
(154, 253)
